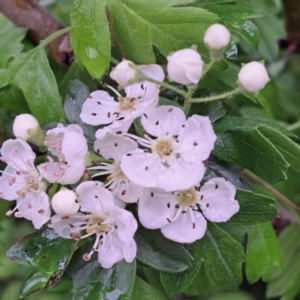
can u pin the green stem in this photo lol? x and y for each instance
(113, 60)
(167, 86)
(187, 104)
(53, 36)
(217, 97)
(68, 76)
(294, 126)
(207, 68)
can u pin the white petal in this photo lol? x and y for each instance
(18, 154)
(116, 128)
(156, 208)
(184, 229)
(128, 192)
(11, 183)
(153, 71)
(73, 173)
(52, 171)
(74, 147)
(129, 251)
(93, 197)
(64, 227)
(196, 139)
(99, 108)
(163, 119)
(217, 200)
(113, 146)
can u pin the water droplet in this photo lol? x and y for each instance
(91, 52)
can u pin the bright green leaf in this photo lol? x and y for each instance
(144, 291)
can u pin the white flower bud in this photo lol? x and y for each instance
(124, 73)
(185, 66)
(65, 203)
(25, 126)
(253, 77)
(217, 37)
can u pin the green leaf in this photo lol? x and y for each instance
(239, 144)
(215, 250)
(92, 282)
(90, 37)
(47, 252)
(75, 95)
(214, 110)
(160, 253)
(144, 291)
(286, 282)
(254, 208)
(263, 252)
(141, 24)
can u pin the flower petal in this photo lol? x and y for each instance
(99, 108)
(156, 208)
(64, 227)
(73, 173)
(165, 119)
(128, 192)
(153, 71)
(116, 127)
(52, 171)
(217, 200)
(184, 229)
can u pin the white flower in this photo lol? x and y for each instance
(101, 109)
(25, 126)
(22, 182)
(65, 203)
(253, 76)
(115, 147)
(177, 213)
(124, 73)
(177, 152)
(217, 37)
(112, 226)
(185, 66)
(70, 146)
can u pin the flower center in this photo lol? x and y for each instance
(96, 225)
(163, 147)
(186, 198)
(116, 172)
(127, 104)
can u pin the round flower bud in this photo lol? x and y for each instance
(65, 203)
(124, 73)
(25, 126)
(185, 66)
(217, 37)
(253, 77)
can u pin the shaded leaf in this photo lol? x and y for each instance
(144, 291)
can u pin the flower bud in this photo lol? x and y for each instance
(185, 66)
(65, 203)
(217, 37)
(253, 76)
(25, 126)
(124, 73)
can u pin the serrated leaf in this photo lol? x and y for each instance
(90, 37)
(144, 291)
(47, 252)
(92, 282)
(263, 252)
(160, 253)
(254, 208)
(141, 24)
(214, 110)
(215, 251)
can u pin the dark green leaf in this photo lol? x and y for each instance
(214, 110)
(47, 252)
(166, 101)
(254, 208)
(141, 24)
(92, 282)
(90, 37)
(144, 291)
(263, 252)
(160, 253)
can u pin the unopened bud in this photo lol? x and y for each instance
(25, 126)
(185, 66)
(217, 37)
(65, 203)
(124, 73)
(253, 76)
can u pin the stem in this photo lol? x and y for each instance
(113, 60)
(294, 126)
(277, 194)
(207, 68)
(53, 36)
(187, 104)
(212, 98)
(168, 86)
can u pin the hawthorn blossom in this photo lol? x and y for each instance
(114, 147)
(178, 150)
(25, 126)
(124, 72)
(101, 109)
(22, 182)
(113, 227)
(216, 37)
(69, 145)
(177, 213)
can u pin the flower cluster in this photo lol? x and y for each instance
(160, 170)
